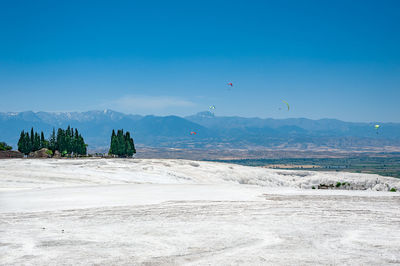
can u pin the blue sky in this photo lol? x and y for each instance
(328, 59)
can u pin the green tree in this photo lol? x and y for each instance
(75, 142)
(112, 143)
(60, 141)
(28, 143)
(130, 146)
(132, 143)
(36, 142)
(52, 141)
(121, 144)
(68, 140)
(32, 139)
(22, 142)
(43, 142)
(4, 147)
(82, 147)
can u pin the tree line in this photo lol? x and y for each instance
(122, 144)
(67, 141)
(70, 142)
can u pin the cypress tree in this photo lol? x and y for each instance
(75, 142)
(52, 141)
(126, 146)
(42, 141)
(36, 142)
(21, 142)
(129, 147)
(32, 138)
(68, 143)
(60, 142)
(84, 147)
(28, 144)
(132, 145)
(122, 144)
(112, 143)
(81, 146)
(116, 149)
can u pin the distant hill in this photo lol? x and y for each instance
(212, 131)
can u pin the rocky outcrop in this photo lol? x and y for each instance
(42, 153)
(57, 155)
(10, 154)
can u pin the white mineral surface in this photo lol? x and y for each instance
(174, 212)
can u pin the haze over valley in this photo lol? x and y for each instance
(213, 131)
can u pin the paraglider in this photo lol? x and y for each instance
(377, 128)
(287, 104)
(193, 133)
(212, 108)
(230, 84)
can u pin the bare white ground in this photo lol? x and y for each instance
(174, 212)
(23, 173)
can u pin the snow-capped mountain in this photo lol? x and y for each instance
(229, 132)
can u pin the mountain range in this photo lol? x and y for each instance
(212, 132)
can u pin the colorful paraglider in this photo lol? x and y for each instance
(193, 133)
(287, 104)
(377, 128)
(230, 84)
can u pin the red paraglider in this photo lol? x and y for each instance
(230, 84)
(193, 133)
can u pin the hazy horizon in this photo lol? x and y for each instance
(200, 111)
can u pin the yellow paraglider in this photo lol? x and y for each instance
(377, 127)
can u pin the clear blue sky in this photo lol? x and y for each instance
(328, 59)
